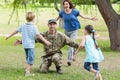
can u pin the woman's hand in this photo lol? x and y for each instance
(94, 19)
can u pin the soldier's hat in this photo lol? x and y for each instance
(52, 21)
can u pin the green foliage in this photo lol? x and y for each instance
(16, 5)
(114, 1)
(86, 2)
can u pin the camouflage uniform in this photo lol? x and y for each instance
(53, 53)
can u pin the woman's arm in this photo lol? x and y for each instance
(57, 18)
(15, 32)
(94, 19)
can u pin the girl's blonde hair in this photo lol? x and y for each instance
(30, 16)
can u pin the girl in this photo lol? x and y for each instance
(71, 24)
(94, 54)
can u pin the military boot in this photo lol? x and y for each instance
(58, 68)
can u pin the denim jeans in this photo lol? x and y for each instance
(29, 55)
(72, 35)
(87, 66)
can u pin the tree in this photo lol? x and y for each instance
(61, 22)
(112, 20)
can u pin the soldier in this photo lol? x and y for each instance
(53, 53)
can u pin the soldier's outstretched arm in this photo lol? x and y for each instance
(71, 43)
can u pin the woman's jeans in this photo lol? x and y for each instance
(72, 35)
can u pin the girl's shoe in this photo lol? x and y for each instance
(96, 75)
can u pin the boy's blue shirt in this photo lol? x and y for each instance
(29, 32)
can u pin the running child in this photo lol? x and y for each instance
(94, 54)
(29, 32)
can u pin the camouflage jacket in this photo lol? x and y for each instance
(58, 40)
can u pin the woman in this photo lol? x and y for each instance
(71, 24)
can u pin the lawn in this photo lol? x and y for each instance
(12, 64)
(12, 59)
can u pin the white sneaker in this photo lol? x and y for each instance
(96, 75)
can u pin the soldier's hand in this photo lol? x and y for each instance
(17, 42)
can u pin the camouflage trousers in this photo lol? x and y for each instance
(46, 62)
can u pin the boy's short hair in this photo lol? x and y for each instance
(30, 16)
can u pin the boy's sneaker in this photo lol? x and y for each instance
(29, 74)
(96, 75)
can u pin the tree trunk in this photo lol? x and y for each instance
(112, 20)
(61, 22)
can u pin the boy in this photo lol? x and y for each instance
(29, 32)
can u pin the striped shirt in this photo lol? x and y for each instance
(29, 31)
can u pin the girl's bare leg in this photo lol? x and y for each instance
(100, 77)
(93, 70)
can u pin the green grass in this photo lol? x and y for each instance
(12, 63)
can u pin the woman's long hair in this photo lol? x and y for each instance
(90, 30)
(70, 3)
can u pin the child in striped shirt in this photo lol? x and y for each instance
(29, 32)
